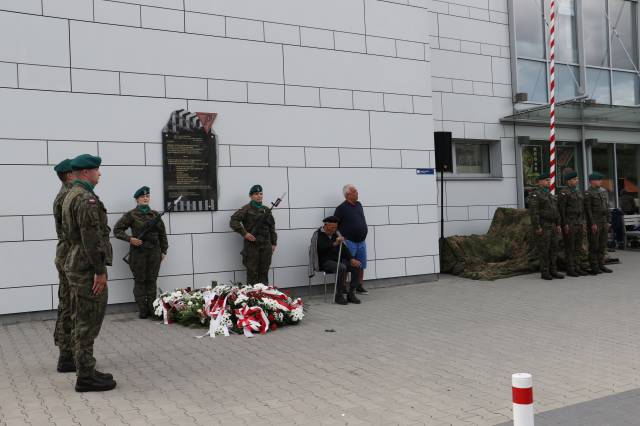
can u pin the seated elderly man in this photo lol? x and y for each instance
(329, 243)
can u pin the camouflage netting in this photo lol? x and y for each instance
(506, 250)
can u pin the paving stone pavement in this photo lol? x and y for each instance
(439, 353)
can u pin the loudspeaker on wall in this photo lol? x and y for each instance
(444, 156)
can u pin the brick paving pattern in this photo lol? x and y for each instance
(437, 353)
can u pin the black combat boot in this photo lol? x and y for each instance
(546, 276)
(581, 271)
(572, 273)
(341, 299)
(556, 274)
(94, 384)
(605, 269)
(594, 271)
(351, 297)
(143, 314)
(66, 364)
(362, 290)
(103, 376)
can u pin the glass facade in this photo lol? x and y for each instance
(608, 37)
(535, 159)
(628, 159)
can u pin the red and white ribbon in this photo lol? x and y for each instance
(216, 310)
(166, 318)
(552, 97)
(252, 318)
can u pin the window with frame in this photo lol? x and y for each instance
(610, 42)
(476, 158)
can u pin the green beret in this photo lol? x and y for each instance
(142, 191)
(254, 189)
(63, 167)
(543, 176)
(595, 176)
(571, 175)
(85, 161)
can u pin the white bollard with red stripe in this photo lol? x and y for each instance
(522, 393)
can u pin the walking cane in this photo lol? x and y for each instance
(335, 287)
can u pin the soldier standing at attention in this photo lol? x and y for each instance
(545, 219)
(84, 224)
(62, 333)
(596, 209)
(258, 228)
(571, 206)
(144, 256)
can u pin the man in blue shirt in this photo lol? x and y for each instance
(353, 227)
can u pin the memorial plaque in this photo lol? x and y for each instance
(190, 162)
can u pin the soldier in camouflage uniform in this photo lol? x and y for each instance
(84, 224)
(545, 219)
(62, 333)
(258, 228)
(145, 255)
(571, 206)
(598, 215)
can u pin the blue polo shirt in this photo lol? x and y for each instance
(353, 225)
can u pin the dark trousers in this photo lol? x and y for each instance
(145, 266)
(256, 257)
(548, 249)
(87, 313)
(597, 245)
(330, 266)
(63, 330)
(573, 247)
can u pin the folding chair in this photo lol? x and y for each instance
(313, 269)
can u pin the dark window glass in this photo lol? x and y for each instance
(622, 16)
(598, 85)
(625, 88)
(566, 39)
(532, 79)
(595, 32)
(529, 27)
(567, 82)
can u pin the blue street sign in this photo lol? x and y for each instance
(424, 171)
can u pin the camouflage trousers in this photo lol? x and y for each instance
(573, 252)
(597, 245)
(87, 314)
(256, 257)
(62, 333)
(145, 266)
(548, 249)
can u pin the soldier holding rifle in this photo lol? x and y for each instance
(148, 247)
(256, 224)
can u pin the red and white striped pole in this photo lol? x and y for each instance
(552, 97)
(522, 393)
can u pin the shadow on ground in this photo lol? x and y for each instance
(621, 409)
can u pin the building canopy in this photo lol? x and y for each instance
(577, 113)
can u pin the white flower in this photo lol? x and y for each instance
(297, 314)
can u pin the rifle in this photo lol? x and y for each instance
(260, 222)
(152, 223)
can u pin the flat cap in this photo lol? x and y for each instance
(254, 189)
(85, 161)
(330, 219)
(63, 167)
(142, 191)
